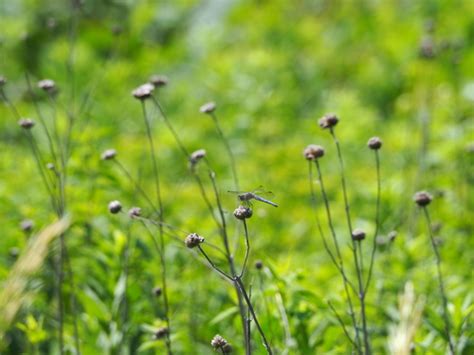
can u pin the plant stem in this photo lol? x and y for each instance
(377, 222)
(238, 281)
(247, 248)
(338, 253)
(160, 226)
(230, 258)
(354, 247)
(170, 127)
(447, 325)
(229, 150)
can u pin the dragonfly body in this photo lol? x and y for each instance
(247, 196)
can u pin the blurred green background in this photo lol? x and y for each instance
(401, 70)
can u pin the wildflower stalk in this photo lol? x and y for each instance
(354, 246)
(230, 258)
(220, 224)
(247, 248)
(377, 222)
(160, 227)
(239, 282)
(447, 325)
(42, 121)
(341, 322)
(228, 148)
(135, 183)
(346, 282)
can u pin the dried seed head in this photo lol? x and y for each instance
(161, 333)
(117, 30)
(374, 143)
(135, 212)
(3, 81)
(14, 252)
(157, 291)
(209, 107)
(427, 48)
(143, 91)
(26, 225)
(219, 343)
(259, 264)
(196, 157)
(47, 85)
(109, 154)
(329, 120)
(115, 207)
(313, 151)
(26, 123)
(392, 235)
(422, 198)
(158, 80)
(381, 241)
(243, 212)
(51, 23)
(193, 240)
(358, 234)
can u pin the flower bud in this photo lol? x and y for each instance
(329, 120)
(157, 291)
(422, 198)
(196, 156)
(193, 240)
(209, 107)
(109, 154)
(115, 207)
(26, 225)
(313, 151)
(243, 212)
(358, 234)
(26, 123)
(161, 333)
(392, 235)
(135, 212)
(219, 343)
(143, 91)
(14, 252)
(47, 85)
(374, 143)
(158, 80)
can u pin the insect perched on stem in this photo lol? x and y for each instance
(246, 197)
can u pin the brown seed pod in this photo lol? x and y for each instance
(193, 240)
(422, 198)
(313, 151)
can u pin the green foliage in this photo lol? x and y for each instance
(400, 70)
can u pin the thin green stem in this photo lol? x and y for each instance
(247, 248)
(239, 282)
(229, 150)
(230, 258)
(357, 262)
(338, 253)
(160, 226)
(170, 127)
(444, 298)
(137, 186)
(341, 323)
(214, 266)
(377, 222)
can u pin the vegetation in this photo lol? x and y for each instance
(125, 127)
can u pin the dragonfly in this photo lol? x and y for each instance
(246, 197)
